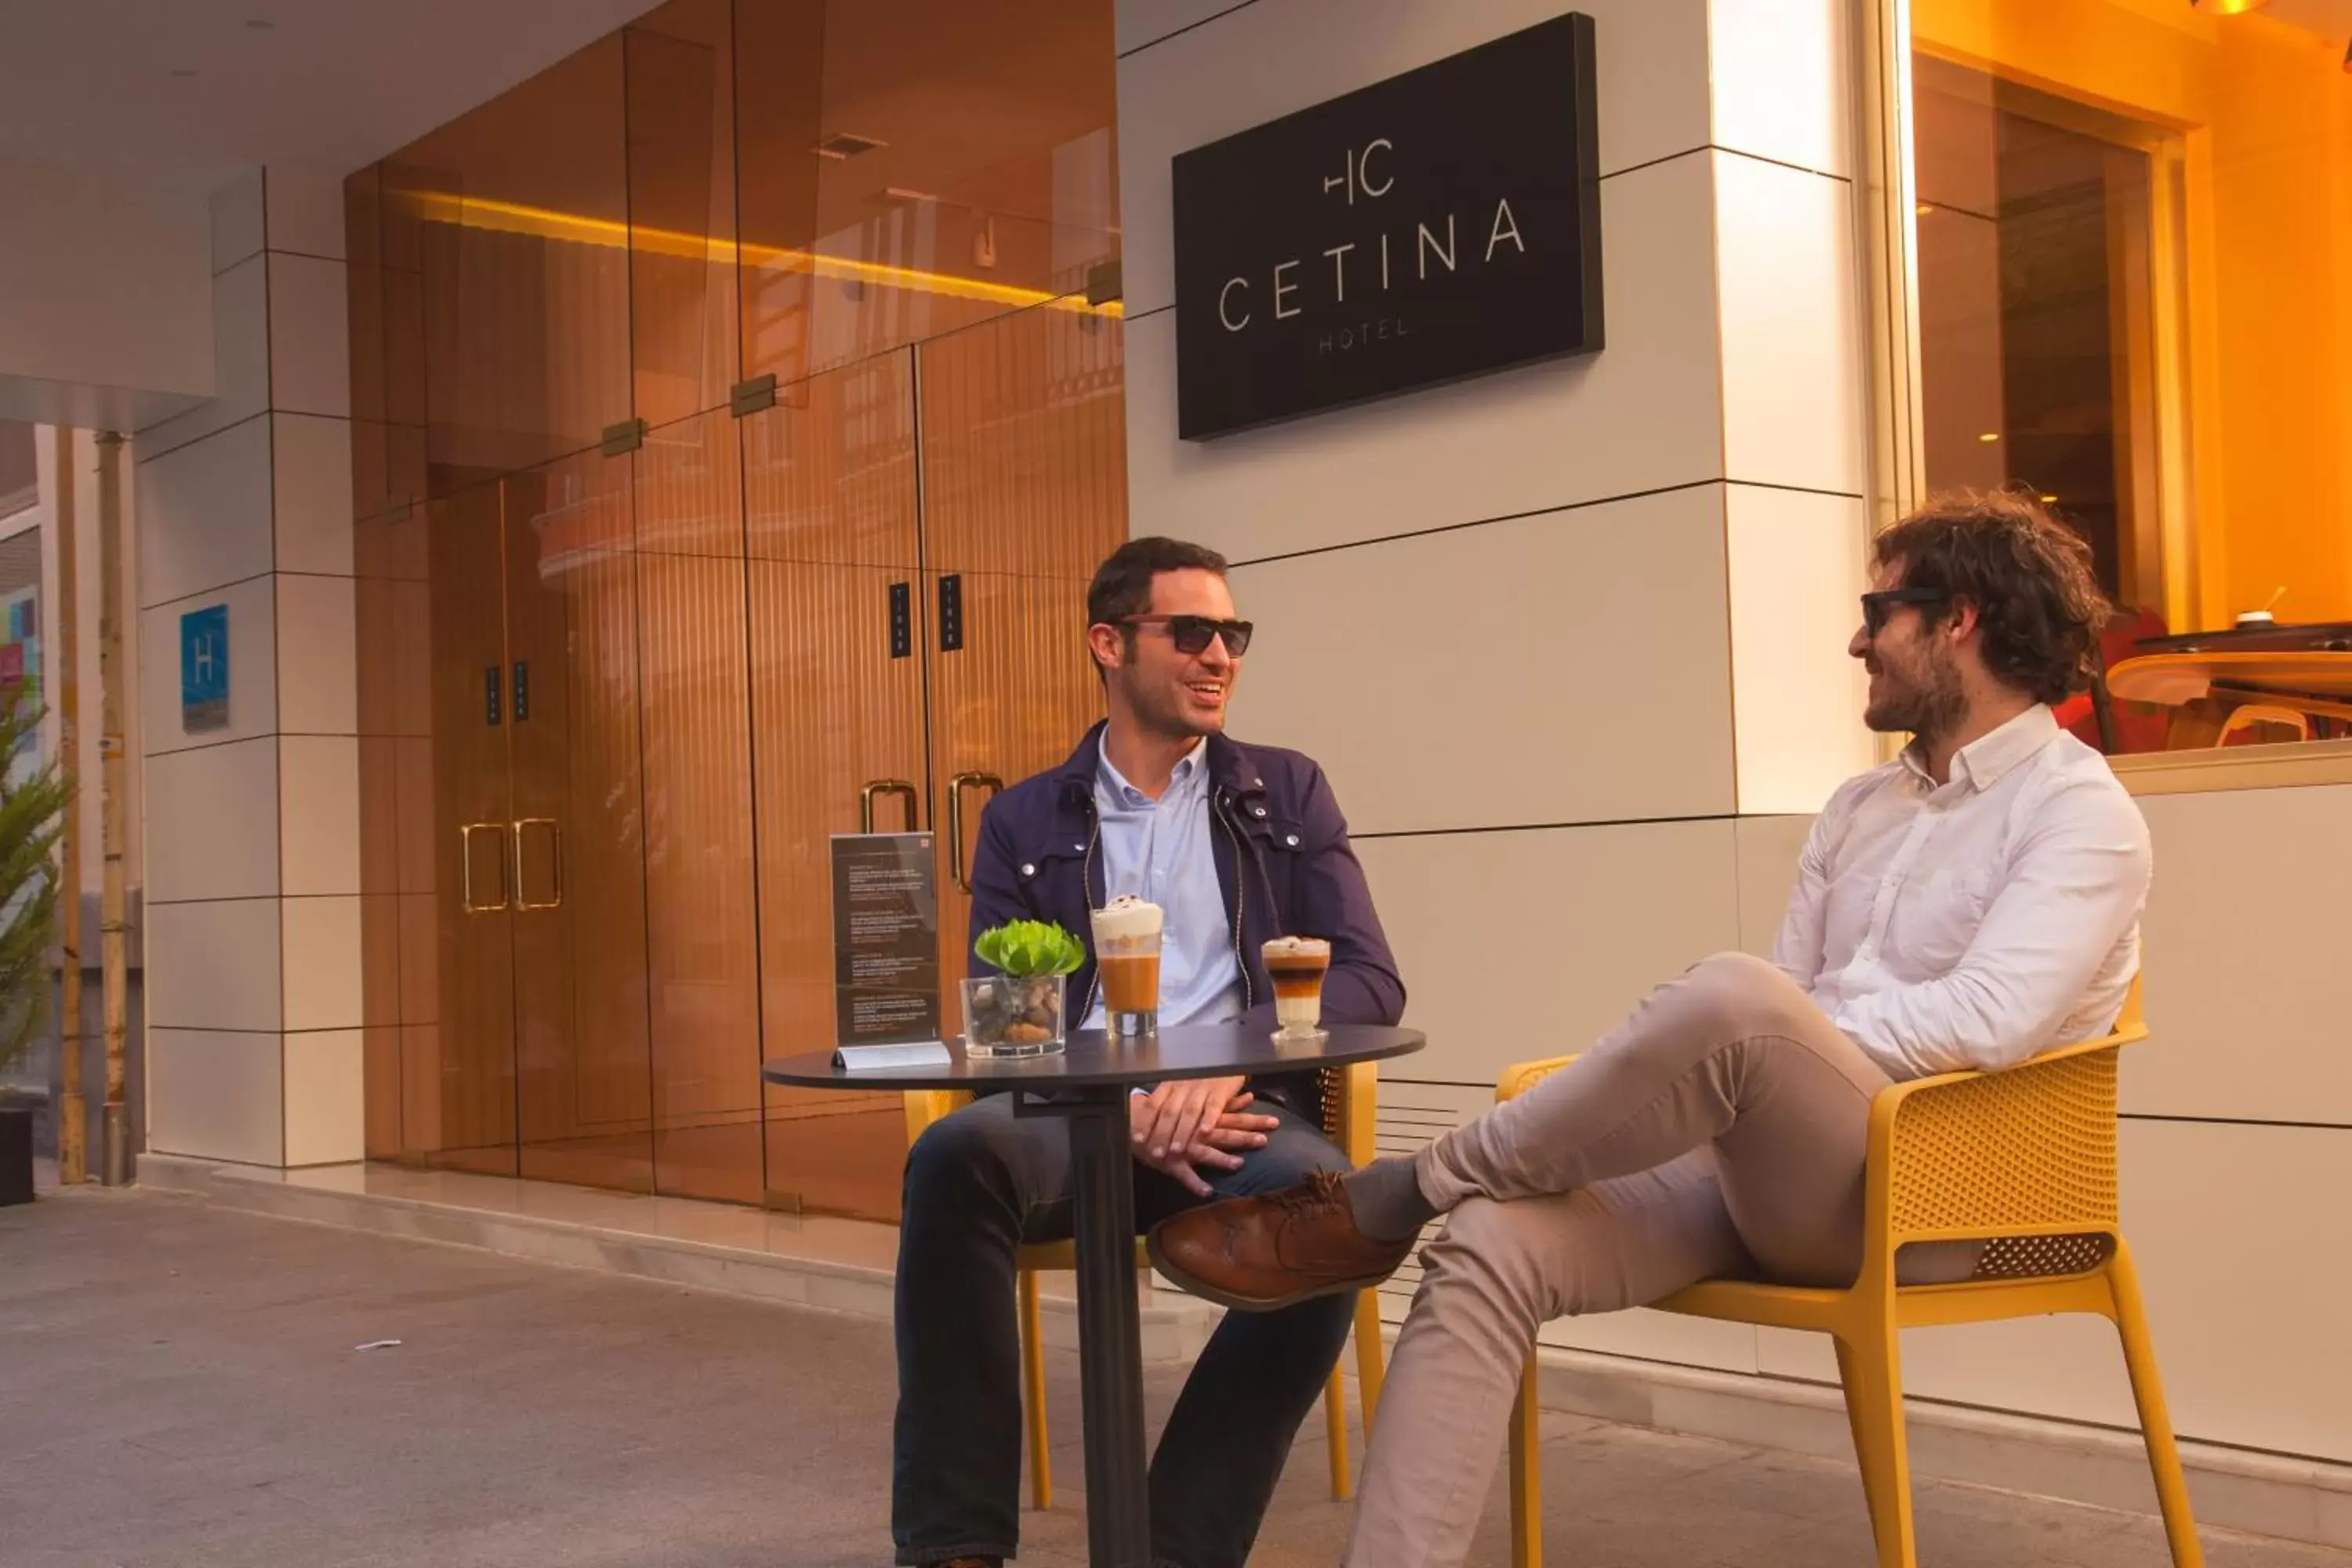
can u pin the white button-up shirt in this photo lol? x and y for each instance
(1164, 851)
(1977, 923)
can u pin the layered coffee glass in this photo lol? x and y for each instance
(1296, 965)
(1127, 959)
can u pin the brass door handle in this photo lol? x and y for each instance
(555, 843)
(956, 786)
(466, 870)
(899, 787)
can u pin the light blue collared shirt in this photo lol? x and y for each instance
(1164, 851)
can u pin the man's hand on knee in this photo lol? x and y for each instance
(1181, 1126)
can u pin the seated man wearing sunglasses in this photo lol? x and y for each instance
(1237, 844)
(1968, 905)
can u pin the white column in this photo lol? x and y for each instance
(252, 859)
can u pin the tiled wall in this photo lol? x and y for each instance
(1570, 640)
(251, 847)
(1562, 636)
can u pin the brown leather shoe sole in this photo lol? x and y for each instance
(1208, 1292)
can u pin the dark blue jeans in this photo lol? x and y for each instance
(979, 1184)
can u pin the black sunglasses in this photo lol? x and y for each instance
(1879, 607)
(1191, 633)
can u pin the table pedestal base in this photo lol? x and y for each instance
(1110, 1332)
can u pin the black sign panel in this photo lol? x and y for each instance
(886, 939)
(1434, 225)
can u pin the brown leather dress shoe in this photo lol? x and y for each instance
(971, 1563)
(1262, 1254)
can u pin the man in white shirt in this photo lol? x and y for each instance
(1969, 905)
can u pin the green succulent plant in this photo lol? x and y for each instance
(1019, 949)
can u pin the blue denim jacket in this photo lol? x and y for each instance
(1283, 864)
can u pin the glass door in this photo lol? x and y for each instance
(576, 847)
(458, 1061)
(837, 632)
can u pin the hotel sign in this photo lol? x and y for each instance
(1434, 225)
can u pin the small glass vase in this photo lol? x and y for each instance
(1013, 1015)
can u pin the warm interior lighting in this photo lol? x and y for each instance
(1990, 436)
(2049, 500)
(543, 223)
(2229, 8)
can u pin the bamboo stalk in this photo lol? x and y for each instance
(73, 1143)
(117, 1168)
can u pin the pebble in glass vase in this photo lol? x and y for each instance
(1019, 1010)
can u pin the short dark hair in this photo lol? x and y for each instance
(1122, 585)
(2028, 576)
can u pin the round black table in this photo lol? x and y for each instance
(1088, 1083)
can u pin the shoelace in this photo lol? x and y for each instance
(1320, 1192)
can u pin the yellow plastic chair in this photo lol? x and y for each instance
(1349, 1094)
(2023, 1159)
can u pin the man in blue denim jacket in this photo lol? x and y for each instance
(1237, 844)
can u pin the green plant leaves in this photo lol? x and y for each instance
(31, 808)
(1020, 948)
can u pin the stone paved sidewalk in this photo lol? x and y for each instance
(179, 1386)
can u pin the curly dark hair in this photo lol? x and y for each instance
(2028, 576)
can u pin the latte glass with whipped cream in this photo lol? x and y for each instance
(1126, 958)
(1296, 965)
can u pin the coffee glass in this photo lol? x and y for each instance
(1296, 965)
(1127, 958)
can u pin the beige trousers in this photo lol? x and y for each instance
(1720, 1131)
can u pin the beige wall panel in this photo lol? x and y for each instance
(325, 1098)
(1643, 414)
(1279, 56)
(1769, 847)
(212, 823)
(2245, 929)
(1658, 1336)
(2245, 1292)
(252, 670)
(1793, 407)
(203, 513)
(240, 361)
(324, 984)
(318, 656)
(1522, 944)
(216, 1096)
(305, 212)
(1528, 698)
(1795, 565)
(1782, 78)
(309, 340)
(320, 813)
(213, 965)
(310, 457)
(236, 220)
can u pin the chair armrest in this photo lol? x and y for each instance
(2028, 1151)
(1521, 1076)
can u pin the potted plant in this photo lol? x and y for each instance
(1018, 1010)
(32, 807)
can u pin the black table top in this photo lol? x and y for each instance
(1091, 1061)
(2326, 637)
